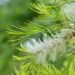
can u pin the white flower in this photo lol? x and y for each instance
(49, 46)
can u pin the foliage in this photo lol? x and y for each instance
(12, 12)
(51, 20)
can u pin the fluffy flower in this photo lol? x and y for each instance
(49, 47)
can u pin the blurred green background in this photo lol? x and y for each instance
(12, 12)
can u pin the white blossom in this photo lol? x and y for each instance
(49, 46)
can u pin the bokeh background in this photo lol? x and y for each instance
(12, 12)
